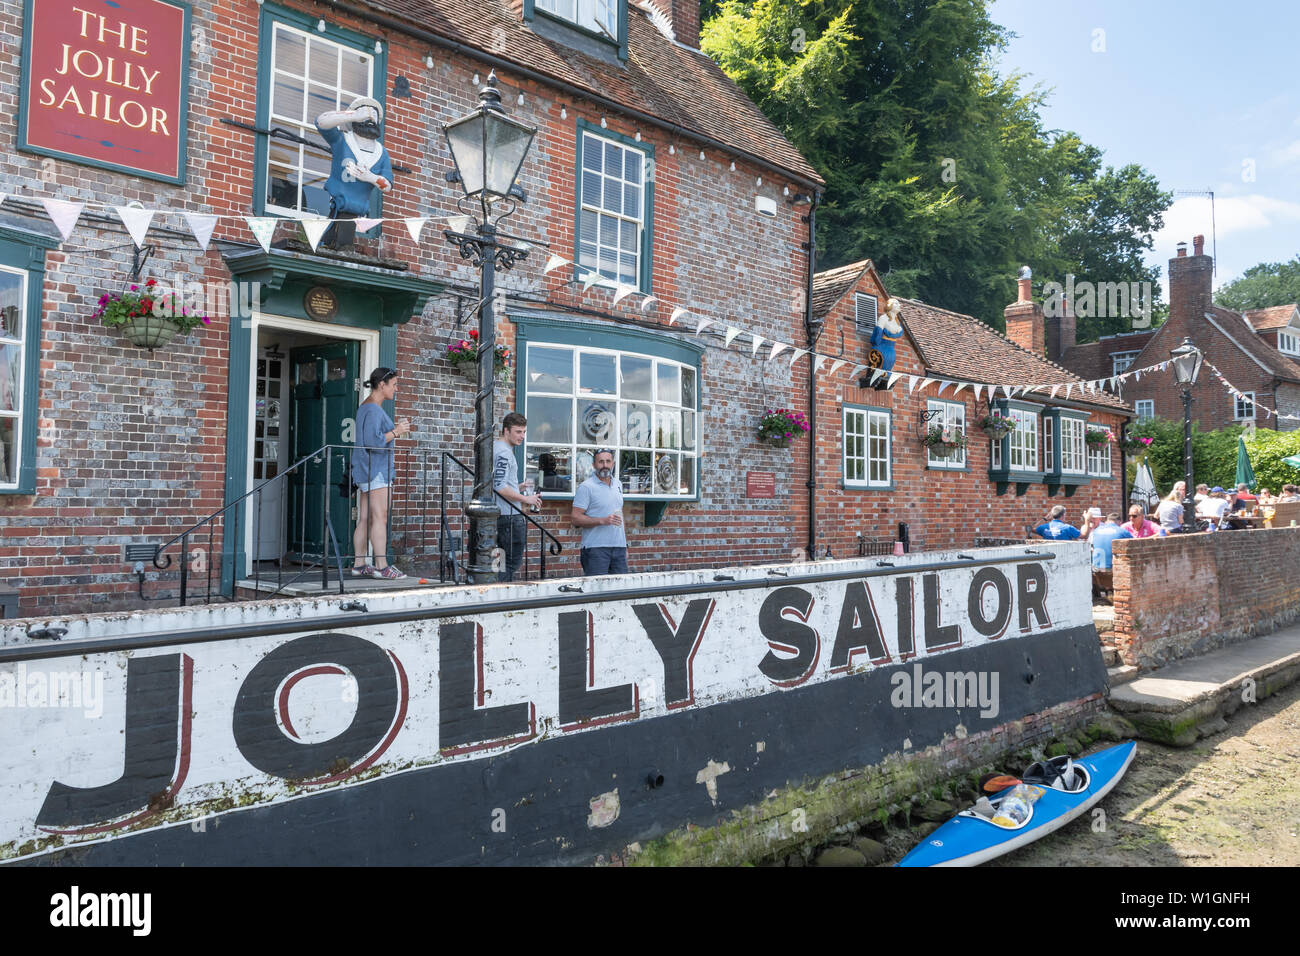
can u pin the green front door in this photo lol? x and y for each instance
(323, 403)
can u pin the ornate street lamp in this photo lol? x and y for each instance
(1186, 360)
(488, 149)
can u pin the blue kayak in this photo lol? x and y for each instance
(1055, 792)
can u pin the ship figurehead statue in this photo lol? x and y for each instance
(887, 332)
(359, 164)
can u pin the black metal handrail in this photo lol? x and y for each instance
(555, 547)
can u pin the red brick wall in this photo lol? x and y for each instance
(943, 509)
(1185, 595)
(133, 443)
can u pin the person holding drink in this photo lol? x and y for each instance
(372, 472)
(511, 527)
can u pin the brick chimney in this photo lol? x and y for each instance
(1024, 317)
(1190, 281)
(684, 15)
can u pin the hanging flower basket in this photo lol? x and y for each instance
(148, 316)
(1097, 436)
(1137, 446)
(943, 442)
(779, 426)
(995, 426)
(463, 356)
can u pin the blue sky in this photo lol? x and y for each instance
(1202, 94)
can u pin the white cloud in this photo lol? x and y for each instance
(1190, 216)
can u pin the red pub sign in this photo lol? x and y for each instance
(105, 82)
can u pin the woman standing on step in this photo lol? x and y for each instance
(372, 470)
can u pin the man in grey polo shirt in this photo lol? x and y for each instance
(598, 511)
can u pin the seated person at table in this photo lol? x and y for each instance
(1266, 497)
(1213, 508)
(1170, 511)
(1101, 537)
(1237, 507)
(1202, 492)
(1054, 529)
(1289, 493)
(1138, 525)
(1243, 494)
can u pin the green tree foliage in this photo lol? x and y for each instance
(1214, 453)
(1266, 450)
(1261, 286)
(937, 168)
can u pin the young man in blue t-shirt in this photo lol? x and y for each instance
(1101, 538)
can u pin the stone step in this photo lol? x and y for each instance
(1119, 674)
(1110, 655)
(1189, 699)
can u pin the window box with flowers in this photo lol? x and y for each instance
(943, 440)
(995, 426)
(778, 427)
(463, 356)
(148, 315)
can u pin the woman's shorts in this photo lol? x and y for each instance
(380, 481)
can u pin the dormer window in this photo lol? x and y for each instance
(598, 16)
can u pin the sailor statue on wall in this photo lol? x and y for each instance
(359, 164)
(888, 330)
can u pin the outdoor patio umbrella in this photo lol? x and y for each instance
(1144, 487)
(1245, 474)
(1293, 461)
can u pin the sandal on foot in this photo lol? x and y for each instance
(365, 571)
(389, 573)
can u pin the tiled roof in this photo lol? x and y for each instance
(1092, 359)
(1239, 328)
(834, 284)
(661, 78)
(1275, 317)
(964, 348)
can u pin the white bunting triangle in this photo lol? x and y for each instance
(1137, 376)
(365, 225)
(677, 314)
(894, 377)
(798, 354)
(703, 324)
(837, 365)
(1068, 388)
(315, 228)
(64, 215)
(925, 382)
(818, 362)
(589, 280)
(622, 292)
(911, 384)
(136, 221)
(415, 225)
(201, 224)
(1006, 390)
(876, 373)
(960, 385)
(731, 334)
(649, 301)
(553, 263)
(758, 340)
(776, 350)
(977, 390)
(263, 228)
(1055, 389)
(939, 390)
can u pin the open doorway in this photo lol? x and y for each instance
(306, 386)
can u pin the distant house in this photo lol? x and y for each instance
(1257, 351)
(872, 469)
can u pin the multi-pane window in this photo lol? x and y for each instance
(1049, 441)
(1073, 447)
(866, 448)
(1145, 408)
(1121, 362)
(951, 417)
(13, 319)
(599, 16)
(1288, 342)
(1022, 444)
(865, 308)
(1243, 406)
(645, 409)
(310, 75)
(611, 208)
(1099, 459)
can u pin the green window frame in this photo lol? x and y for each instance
(948, 415)
(867, 448)
(1017, 457)
(277, 25)
(560, 14)
(1099, 460)
(22, 279)
(591, 211)
(583, 386)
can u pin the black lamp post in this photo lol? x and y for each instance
(1187, 359)
(488, 149)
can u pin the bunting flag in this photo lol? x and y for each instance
(703, 324)
(1055, 389)
(960, 385)
(758, 340)
(415, 225)
(201, 224)
(136, 221)
(315, 229)
(622, 292)
(365, 225)
(911, 384)
(649, 301)
(837, 365)
(927, 381)
(876, 373)
(589, 280)
(797, 355)
(677, 314)
(977, 389)
(1006, 390)
(776, 349)
(893, 377)
(942, 386)
(64, 215)
(3, 197)
(553, 263)
(730, 337)
(1068, 388)
(263, 228)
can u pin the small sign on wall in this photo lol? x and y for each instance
(106, 84)
(760, 484)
